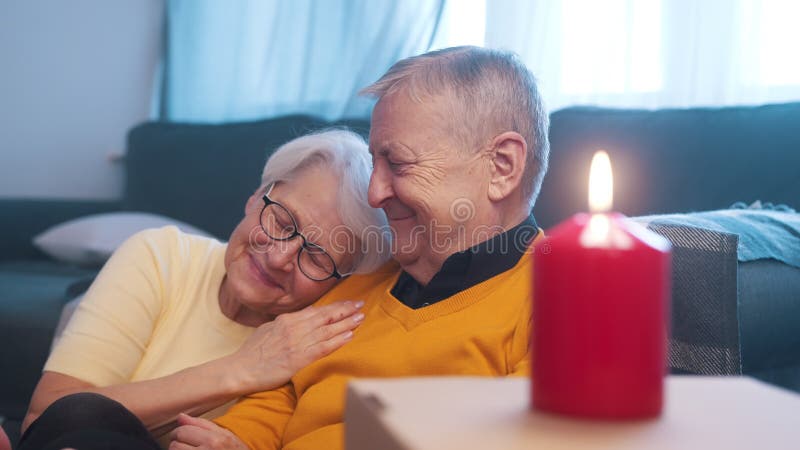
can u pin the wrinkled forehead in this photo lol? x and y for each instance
(404, 124)
(409, 99)
(398, 112)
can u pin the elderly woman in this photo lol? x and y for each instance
(178, 323)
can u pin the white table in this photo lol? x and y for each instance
(464, 413)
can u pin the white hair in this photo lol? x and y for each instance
(490, 91)
(346, 154)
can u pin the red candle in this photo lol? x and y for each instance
(600, 312)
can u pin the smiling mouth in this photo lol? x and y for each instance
(399, 218)
(262, 275)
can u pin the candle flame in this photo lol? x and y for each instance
(601, 183)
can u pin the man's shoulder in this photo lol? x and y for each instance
(358, 286)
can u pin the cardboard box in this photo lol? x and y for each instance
(463, 413)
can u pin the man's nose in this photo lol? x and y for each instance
(380, 186)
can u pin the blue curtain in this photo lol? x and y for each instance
(250, 59)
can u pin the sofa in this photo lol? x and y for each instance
(665, 161)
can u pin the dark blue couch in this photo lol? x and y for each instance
(664, 161)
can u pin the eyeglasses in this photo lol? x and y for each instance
(279, 224)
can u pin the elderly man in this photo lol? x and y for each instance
(459, 146)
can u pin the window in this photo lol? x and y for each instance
(643, 53)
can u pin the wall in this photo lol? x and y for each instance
(76, 75)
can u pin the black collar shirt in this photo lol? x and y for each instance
(467, 268)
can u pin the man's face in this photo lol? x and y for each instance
(430, 189)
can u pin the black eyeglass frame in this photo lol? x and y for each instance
(295, 232)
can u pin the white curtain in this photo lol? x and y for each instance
(654, 53)
(250, 59)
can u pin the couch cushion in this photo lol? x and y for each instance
(669, 161)
(769, 309)
(203, 174)
(90, 240)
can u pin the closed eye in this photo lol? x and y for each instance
(284, 224)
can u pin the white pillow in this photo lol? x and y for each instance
(90, 240)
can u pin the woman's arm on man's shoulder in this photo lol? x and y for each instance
(267, 360)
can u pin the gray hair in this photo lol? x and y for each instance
(491, 92)
(346, 154)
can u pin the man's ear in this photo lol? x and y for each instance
(509, 152)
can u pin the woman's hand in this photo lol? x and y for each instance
(199, 433)
(278, 349)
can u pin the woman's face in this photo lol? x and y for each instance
(262, 274)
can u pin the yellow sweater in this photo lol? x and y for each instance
(480, 331)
